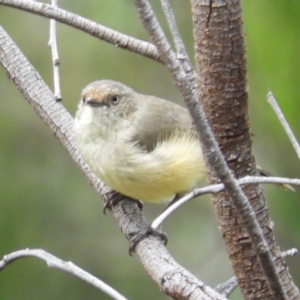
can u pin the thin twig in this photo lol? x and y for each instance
(54, 262)
(210, 148)
(104, 33)
(55, 58)
(179, 45)
(284, 123)
(289, 253)
(216, 188)
(227, 287)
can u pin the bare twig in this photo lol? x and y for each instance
(284, 123)
(54, 262)
(55, 58)
(179, 45)
(227, 287)
(104, 33)
(210, 147)
(216, 188)
(290, 252)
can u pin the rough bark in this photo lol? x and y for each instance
(221, 66)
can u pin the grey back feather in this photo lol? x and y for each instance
(152, 127)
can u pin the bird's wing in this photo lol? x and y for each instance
(157, 123)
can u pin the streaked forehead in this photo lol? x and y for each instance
(94, 93)
(103, 88)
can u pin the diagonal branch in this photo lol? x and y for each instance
(54, 262)
(104, 33)
(284, 123)
(179, 45)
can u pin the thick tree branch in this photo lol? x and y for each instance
(169, 275)
(104, 33)
(246, 230)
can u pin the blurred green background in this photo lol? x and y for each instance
(47, 203)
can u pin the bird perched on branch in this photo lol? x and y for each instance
(141, 146)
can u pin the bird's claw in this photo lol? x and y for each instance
(115, 198)
(144, 234)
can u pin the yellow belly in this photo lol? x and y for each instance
(174, 166)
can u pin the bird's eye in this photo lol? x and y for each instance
(83, 99)
(115, 99)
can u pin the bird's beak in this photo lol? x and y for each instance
(94, 102)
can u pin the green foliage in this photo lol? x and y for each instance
(47, 203)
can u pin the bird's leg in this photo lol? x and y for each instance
(134, 240)
(176, 198)
(112, 199)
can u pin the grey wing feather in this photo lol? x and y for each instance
(162, 120)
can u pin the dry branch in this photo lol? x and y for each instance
(104, 33)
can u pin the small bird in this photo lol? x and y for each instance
(141, 146)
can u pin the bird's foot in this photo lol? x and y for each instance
(134, 240)
(114, 198)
